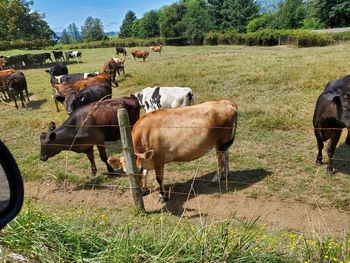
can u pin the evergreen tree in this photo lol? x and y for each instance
(290, 14)
(127, 24)
(333, 13)
(74, 33)
(92, 30)
(170, 20)
(65, 39)
(214, 9)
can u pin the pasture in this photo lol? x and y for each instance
(272, 161)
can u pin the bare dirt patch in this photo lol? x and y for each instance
(277, 214)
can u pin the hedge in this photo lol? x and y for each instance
(269, 37)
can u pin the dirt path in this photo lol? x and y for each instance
(278, 214)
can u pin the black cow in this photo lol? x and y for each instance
(58, 55)
(120, 50)
(75, 99)
(332, 114)
(89, 125)
(16, 84)
(58, 70)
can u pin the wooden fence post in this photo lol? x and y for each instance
(130, 165)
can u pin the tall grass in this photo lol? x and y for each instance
(75, 237)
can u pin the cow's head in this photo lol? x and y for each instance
(48, 144)
(73, 101)
(142, 161)
(342, 101)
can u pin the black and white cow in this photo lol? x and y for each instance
(154, 98)
(332, 114)
(58, 70)
(74, 54)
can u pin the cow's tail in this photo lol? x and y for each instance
(190, 98)
(227, 145)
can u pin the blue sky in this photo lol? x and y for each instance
(60, 13)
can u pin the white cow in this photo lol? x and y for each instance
(154, 98)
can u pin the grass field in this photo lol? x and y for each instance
(273, 157)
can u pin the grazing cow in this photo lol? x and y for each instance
(58, 55)
(157, 49)
(58, 70)
(183, 135)
(332, 114)
(75, 99)
(16, 84)
(89, 125)
(111, 68)
(61, 89)
(4, 75)
(140, 54)
(120, 50)
(120, 65)
(73, 54)
(154, 98)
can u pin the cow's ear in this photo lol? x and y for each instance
(52, 136)
(330, 96)
(146, 155)
(52, 126)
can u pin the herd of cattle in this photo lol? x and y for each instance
(172, 130)
(33, 60)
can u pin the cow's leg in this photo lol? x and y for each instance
(347, 141)
(22, 98)
(144, 182)
(221, 159)
(26, 91)
(159, 170)
(331, 149)
(103, 156)
(56, 103)
(90, 155)
(320, 145)
(123, 72)
(14, 99)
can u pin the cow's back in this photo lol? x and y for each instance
(185, 134)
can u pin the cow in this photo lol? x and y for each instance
(73, 54)
(58, 55)
(75, 82)
(4, 75)
(154, 98)
(157, 49)
(182, 135)
(89, 125)
(121, 50)
(332, 114)
(57, 70)
(120, 65)
(111, 68)
(140, 54)
(2, 63)
(75, 99)
(16, 85)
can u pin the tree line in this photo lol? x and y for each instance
(193, 18)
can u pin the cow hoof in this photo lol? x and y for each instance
(330, 171)
(93, 173)
(215, 179)
(319, 161)
(146, 192)
(162, 199)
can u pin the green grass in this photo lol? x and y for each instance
(276, 89)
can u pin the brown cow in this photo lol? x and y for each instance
(157, 49)
(60, 90)
(113, 66)
(4, 75)
(140, 54)
(183, 135)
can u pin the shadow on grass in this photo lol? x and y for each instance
(238, 180)
(342, 159)
(36, 104)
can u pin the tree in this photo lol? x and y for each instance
(149, 24)
(232, 14)
(197, 21)
(170, 20)
(74, 33)
(92, 30)
(65, 38)
(264, 21)
(127, 24)
(290, 14)
(333, 13)
(236, 14)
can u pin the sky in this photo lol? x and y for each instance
(60, 13)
